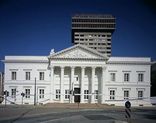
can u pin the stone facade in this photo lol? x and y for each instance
(77, 74)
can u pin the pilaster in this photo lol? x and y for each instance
(103, 95)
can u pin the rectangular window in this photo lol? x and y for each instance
(67, 94)
(112, 76)
(27, 75)
(140, 77)
(13, 93)
(140, 94)
(126, 94)
(58, 94)
(27, 93)
(126, 77)
(86, 92)
(13, 76)
(112, 94)
(41, 75)
(41, 93)
(96, 94)
(77, 78)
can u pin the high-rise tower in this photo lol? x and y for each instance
(94, 31)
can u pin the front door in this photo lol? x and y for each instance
(77, 97)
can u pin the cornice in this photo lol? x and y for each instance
(25, 61)
(129, 62)
(26, 83)
(128, 85)
(78, 59)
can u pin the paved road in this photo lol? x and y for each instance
(66, 115)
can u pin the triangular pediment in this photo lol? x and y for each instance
(78, 52)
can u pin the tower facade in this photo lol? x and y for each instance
(94, 31)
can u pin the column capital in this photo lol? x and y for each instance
(94, 67)
(83, 67)
(72, 67)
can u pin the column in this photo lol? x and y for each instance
(103, 96)
(82, 84)
(72, 84)
(62, 84)
(52, 84)
(93, 85)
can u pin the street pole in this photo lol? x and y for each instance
(6, 93)
(128, 111)
(22, 94)
(5, 100)
(22, 100)
(35, 92)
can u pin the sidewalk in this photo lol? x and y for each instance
(16, 111)
(13, 111)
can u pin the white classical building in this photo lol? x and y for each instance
(77, 74)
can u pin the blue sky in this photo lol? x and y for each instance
(34, 27)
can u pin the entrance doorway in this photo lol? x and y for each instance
(77, 97)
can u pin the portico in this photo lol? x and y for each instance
(76, 77)
(77, 70)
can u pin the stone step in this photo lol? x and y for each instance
(76, 105)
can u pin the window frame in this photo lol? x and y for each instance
(142, 94)
(126, 77)
(57, 94)
(112, 94)
(13, 92)
(96, 94)
(13, 75)
(86, 96)
(41, 75)
(140, 77)
(67, 94)
(27, 93)
(41, 93)
(27, 75)
(126, 95)
(112, 77)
